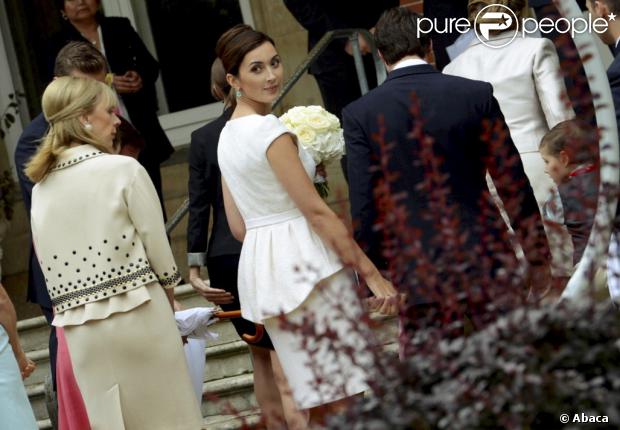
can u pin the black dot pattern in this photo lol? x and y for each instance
(103, 288)
(167, 281)
(110, 264)
(76, 160)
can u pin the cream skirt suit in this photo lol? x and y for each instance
(99, 235)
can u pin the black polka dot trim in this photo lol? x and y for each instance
(77, 159)
(103, 288)
(167, 281)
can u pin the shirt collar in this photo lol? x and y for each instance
(408, 62)
(75, 155)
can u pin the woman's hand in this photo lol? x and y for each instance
(130, 82)
(26, 365)
(214, 295)
(386, 299)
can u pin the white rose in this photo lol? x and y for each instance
(305, 135)
(295, 116)
(318, 122)
(315, 109)
(334, 122)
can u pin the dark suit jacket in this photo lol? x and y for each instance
(452, 112)
(125, 51)
(613, 74)
(443, 10)
(26, 147)
(205, 193)
(321, 16)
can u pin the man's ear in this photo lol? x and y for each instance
(430, 54)
(600, 8)
(382, 59)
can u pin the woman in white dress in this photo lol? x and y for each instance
(527, 83)
(295, 266)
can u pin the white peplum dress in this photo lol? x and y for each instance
(286, 269)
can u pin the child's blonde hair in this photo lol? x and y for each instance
(65, 100)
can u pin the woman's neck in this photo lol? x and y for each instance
(247, 106)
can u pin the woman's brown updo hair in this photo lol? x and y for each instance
(233, 46)
(219, 85)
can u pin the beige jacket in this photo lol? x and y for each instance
(526, 82)
(98, 229)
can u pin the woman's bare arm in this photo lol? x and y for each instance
(235, 220)
(8, 320)
(284, 160)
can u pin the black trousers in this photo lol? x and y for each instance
(53, 342)
(223, 274)
(153, 168)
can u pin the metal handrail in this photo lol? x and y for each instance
(353, 35)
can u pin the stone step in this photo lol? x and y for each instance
(223, 360)
(225, 396)
(244, 420)
(226, 360)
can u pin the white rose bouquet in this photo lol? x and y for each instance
(319, 132)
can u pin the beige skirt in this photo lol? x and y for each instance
(319, 369)
(131, 369)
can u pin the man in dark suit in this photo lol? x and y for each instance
(603, 9)
(418, 147)
(79, 59)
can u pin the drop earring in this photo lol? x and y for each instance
(238, 93)
(88, 126)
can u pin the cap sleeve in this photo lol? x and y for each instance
(273, 128)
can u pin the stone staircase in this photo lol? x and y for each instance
(228, 375)
(228, 393)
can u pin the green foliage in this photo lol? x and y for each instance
(8, 191)
(9, 116)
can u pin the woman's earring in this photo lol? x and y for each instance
(64, 15)
(88, 126)
(238, 93)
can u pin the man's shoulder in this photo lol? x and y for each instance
(613, 72)
(34, 131)
(467, 83)
(211, 130)
(458, 86)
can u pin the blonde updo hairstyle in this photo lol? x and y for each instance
(64, 102)
(519, 7)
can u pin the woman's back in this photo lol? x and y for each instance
(526, 81)
(242, 155)
(282, 258)
(98, 229)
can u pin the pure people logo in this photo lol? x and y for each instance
(498, 21)
(496, 18)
